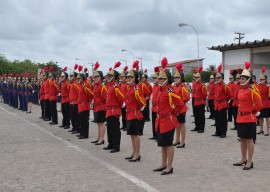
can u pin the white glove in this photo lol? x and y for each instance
(258, 113)
(124, 104)
(33, 91)
(141, 109)
(229, 101)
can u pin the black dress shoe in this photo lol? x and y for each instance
(233, 128)
(213, 125)
(72, 130)
(107, 148)
(46, 119)
(194, 129)
(176, 143)
(159, 169)
(122, 128)
(181, 146)
(100, 143)
(216, 135)
(152, 138)
(114, 150)
(200, 131)
(248, 168)
(82, 137)
(53, 123)
(167, 173)
(230, 120)
(66, 127)
(222, 136)
(260, 132)
(61, 126)
(240, 164)
(210, 117)
(95, 141)
(41, 117)
(193, 122)
(128, 158)
(135, 160)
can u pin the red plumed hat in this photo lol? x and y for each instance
(164, 62)
(117, 64)
(80, 68)
(76, 67)
(247, 64)
(51, 69)
(45, 68)
(85, 70)
(96, 66)
(263, 70)
(65, 69)
(125, 68)
(110, 68)
(239, 70)
(179, 67)
(135, 64)
(200, 69)
(231, 71)
(156, 69)
(145, 71)
(219, 68)
(194, 70)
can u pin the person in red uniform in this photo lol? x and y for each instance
(249, 105)
(169, 106)
(231, 86)
(123, 85)
(54, 90)
(221, 101)
(180, 89)
(193, 93)
(65, 104)
(47, 96)
(154, 102)
(114, 103)
(234, 94)
(146, 111)
(73, 99)
(200, 92)
(100, 92)
(42, 93)
(85, 97)
(135, 103)
(211, 88)
(265, 95)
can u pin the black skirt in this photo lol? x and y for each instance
(100, 116)
(181, 118)
(246, 130)
(264, 113)
(165, 139)
(133, 127)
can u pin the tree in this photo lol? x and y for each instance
(211, 68)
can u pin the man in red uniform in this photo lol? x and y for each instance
(114, 103)
(231, 86)
(222, 97)
(200, 94)
(146, 111)
(123, 85)
(65, 87)
(47, 96)
(211, 88)
(42, 94)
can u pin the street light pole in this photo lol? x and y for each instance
(92, 65)
(124, 50)
(185, 24)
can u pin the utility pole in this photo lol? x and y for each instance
(240, 36)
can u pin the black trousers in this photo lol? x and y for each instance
(146, 112)
(113, 132)
(230, 111)
(235, 110)
(47, 109)
(124, 119)
(84, 117)
(154, 116)
(66, 114)
(193, 107)
(42, 105)
(221, 121)
(211, 107)
(75, 119)
(199, 113)
(54, 111)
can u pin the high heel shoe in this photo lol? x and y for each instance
(100, 143)
(167, 173)
(248, 168)
(135, 160)
(95, 141)
(181, 146)
(128, 158)
(159, 169)
(176, 143)
(240, 164)
(261, 132)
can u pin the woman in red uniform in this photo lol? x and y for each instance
(100, 92)
(169, 106)
(249, 105)
(135, 103)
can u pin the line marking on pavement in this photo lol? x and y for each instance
(112, 168)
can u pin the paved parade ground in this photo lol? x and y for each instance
(36, 156)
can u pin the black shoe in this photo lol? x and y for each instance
(213, 125)
(248, 168)
(193, 122)
(216, 135)
(267, 134)
(72, 130)
(128, 158)
(152, 138)
(46, 119)
(159, 169)
(240, 164)
(100, 143)
(167, 173)
(41, 117)
(135, 160)
(123, 128)
(66, 127)
(82, 137)
(200, 131)
(114, 150)
(194, 129)
(95, 141)
(147, 120)
(233, 128)
(176, 144)
(53, 123)
(61, 126)
(229, 120)
(261, 132)
(107, 148)
(222, 136)
(181, 146)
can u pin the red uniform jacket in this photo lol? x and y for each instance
(73, 92)
(134, 102)
(200, 94)
(114, 100)
(47, 89)
(150, 88)
(146, 92)
(124, 88)
(237, 87)
(265, 95)
(85, 96)
(211, 88)
(100, 92)
(249, 104)
(169, 106)
(231, 85)
(193, 88)
(42, 92)
(183, 93)
(222, 96)
(155, 97)
(65, 87)
(54, 90)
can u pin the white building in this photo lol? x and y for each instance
(188, 65)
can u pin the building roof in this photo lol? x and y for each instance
(185, 62)
(248, 44)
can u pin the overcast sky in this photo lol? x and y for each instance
(97, 30)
